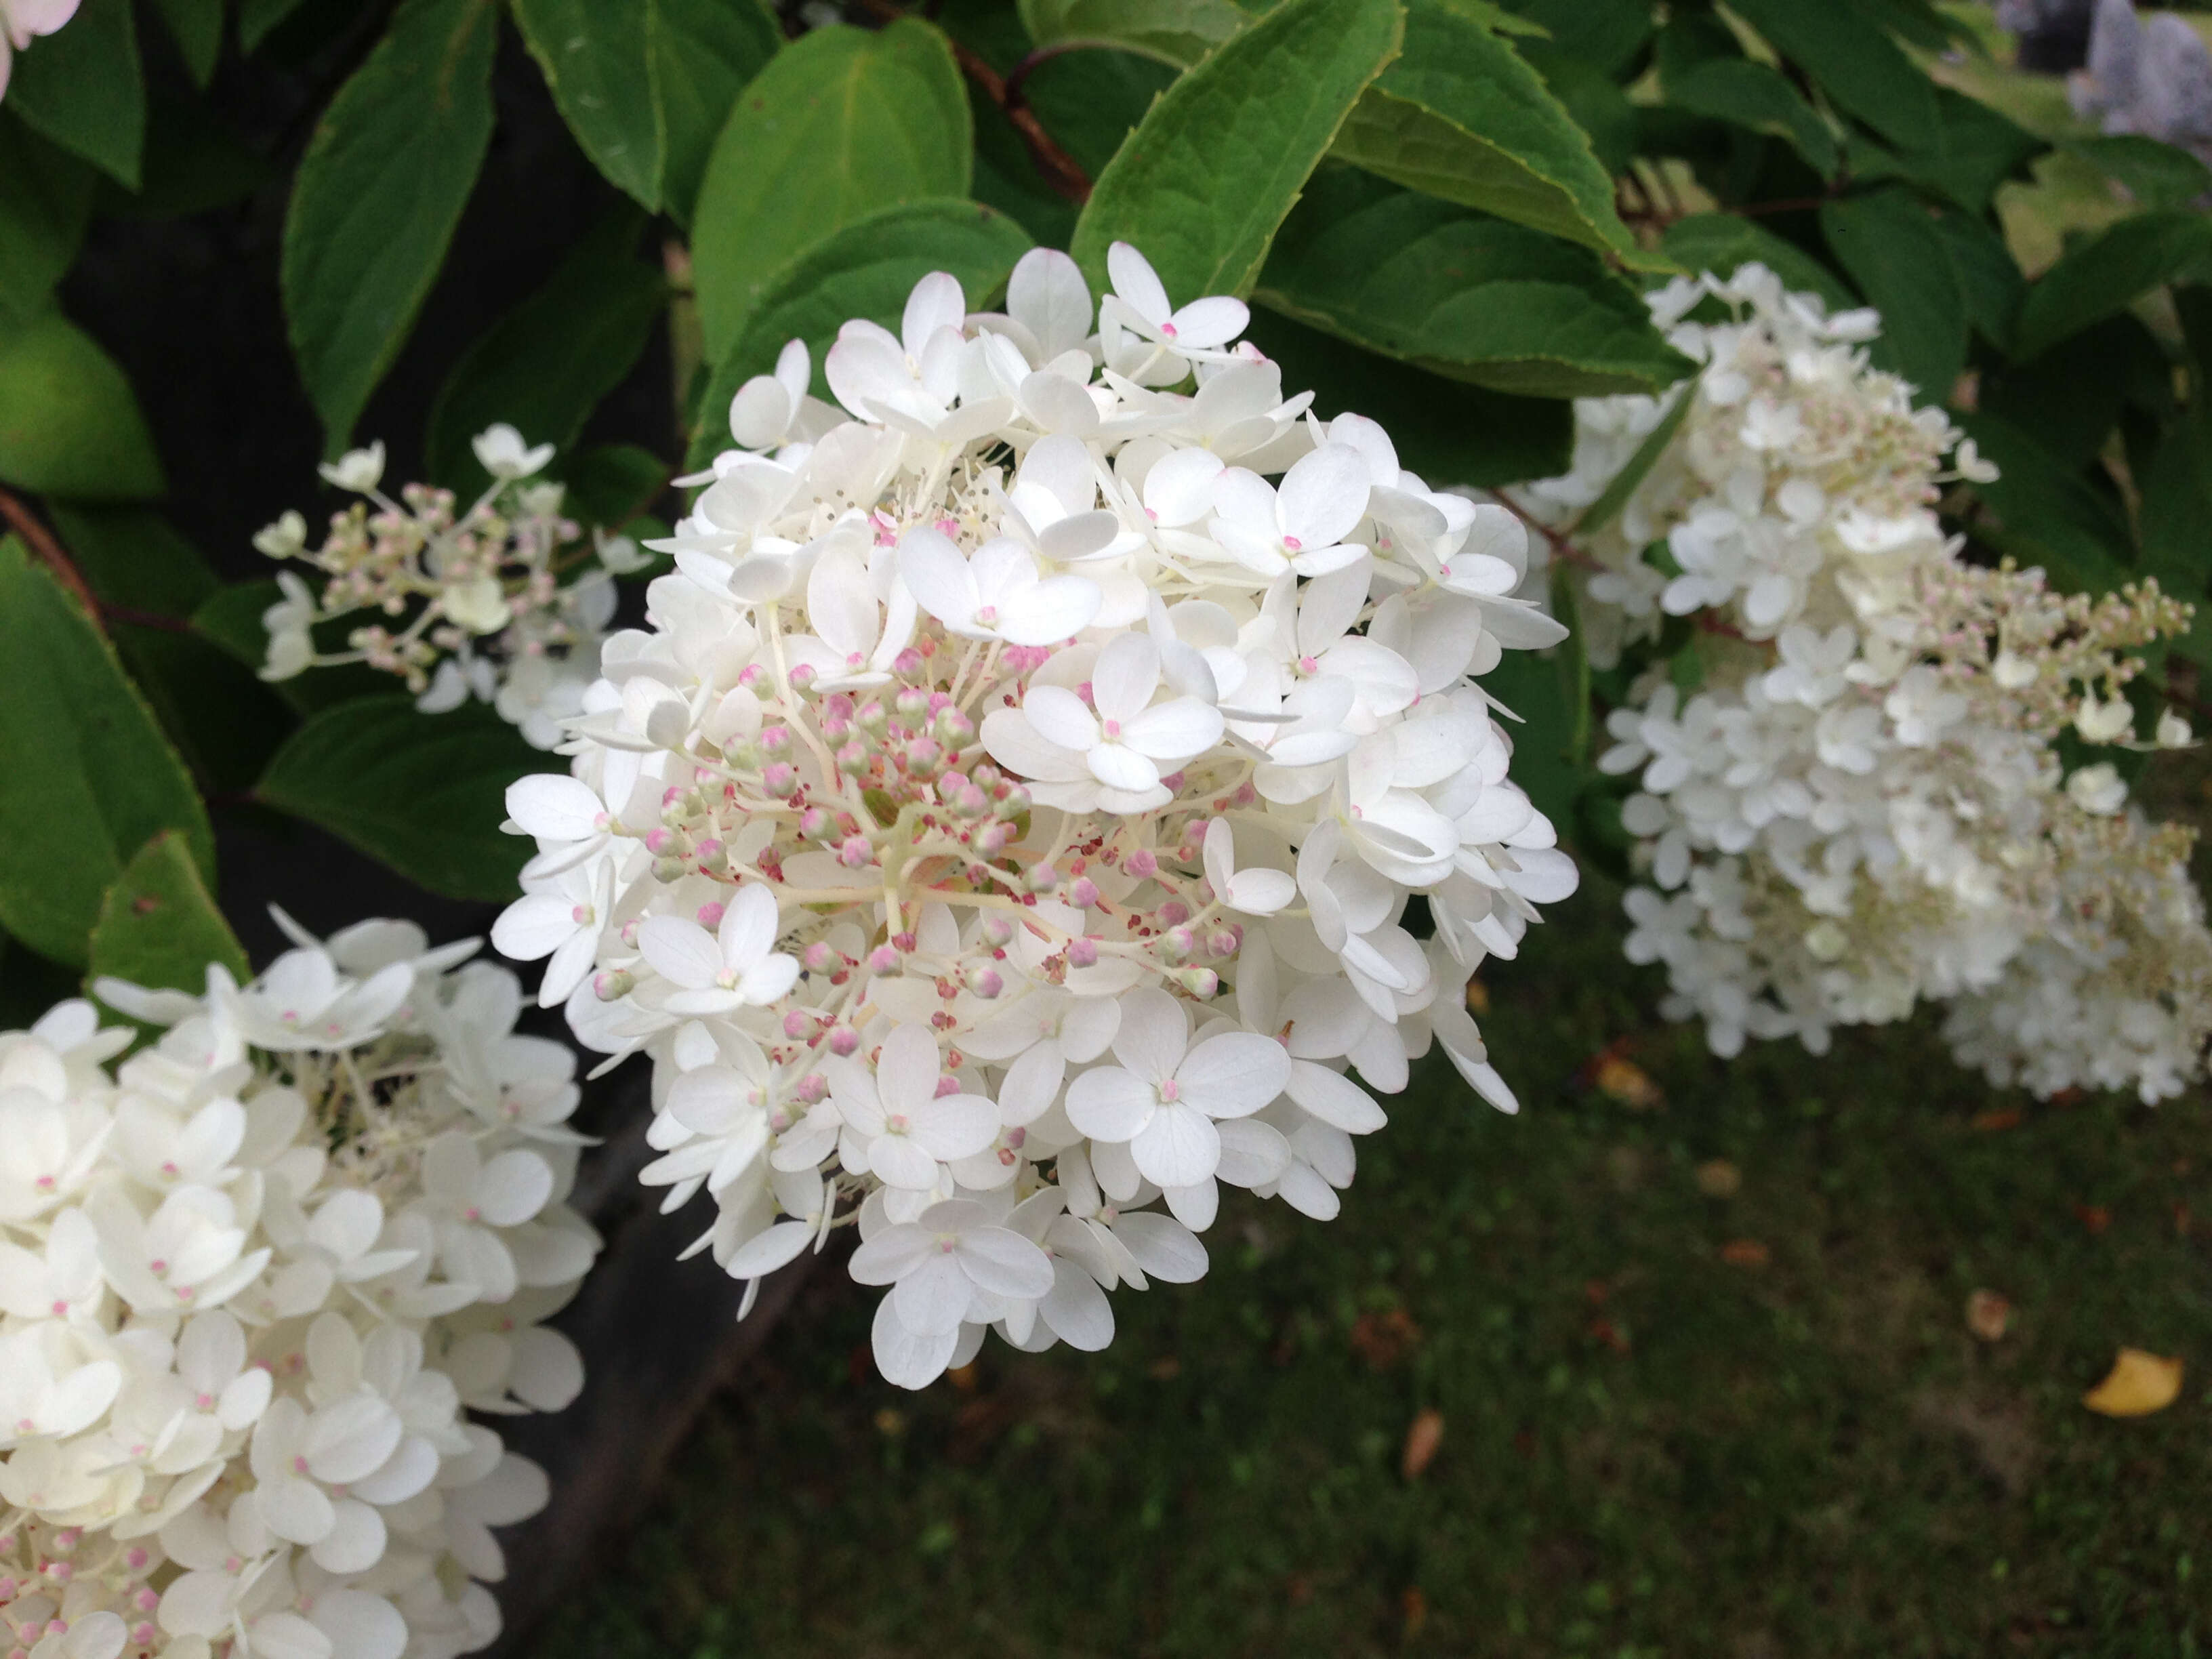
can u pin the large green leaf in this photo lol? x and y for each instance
(85, 777)
(82, 87)
(2041, 512)
(259, 19)
(839, 123)
(197, 27)
(425, 794)
(1202, 185)
(1177, 32)
(699, 54)
(1975, 151)
(46, 202)
(1747, 95)
(1892, 248)
(159, 926)
(1462, 293)
(69, 423)
(2177, 506)
(378, 195)
(1461, 116)
(2111, 272)
(1855, 62)
(1445, 431)
(866, 270)
(1719, 242)
(2157, 175)
(594, 56)
(544, 366)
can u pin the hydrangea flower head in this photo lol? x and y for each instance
(1003, 835)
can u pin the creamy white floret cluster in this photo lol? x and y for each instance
(1005, 833)
(503, 601)
(259, 1282)
(1851, 795)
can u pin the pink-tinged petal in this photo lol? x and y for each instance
(1234, 1073)
(1162, 1247)
(908, 1358)
(1173, 730)
(1003, 1262)
(1178, 1148)
(681, 951)
(1324, 495)
(1058, 717)
(955, 1125)
(1110, 1104)
(1125, 677)
(1204, 325)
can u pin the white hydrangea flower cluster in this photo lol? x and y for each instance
(1855, 800)
(487, 612)
(1009, 822)
(257, 1282)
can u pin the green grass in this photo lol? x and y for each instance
(1647, 1449)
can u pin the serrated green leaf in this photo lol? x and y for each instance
(866, 270)
(1460, 115)
(1890, 245)
(1177, 32)
(1753, 95)
(424, 794)
(85, 776)
(197, 27)
(1442, 429)
(2110, 272)
(543, 366)
(593, 54)
(69, 423)
(839, 123)
(1855, 63)
(1201, 186)
(46, 202)
(2041, 512)
(1614, 496)
(1461, 293)
(159, 926)
(82, 87)
(700, 55)
(1719, 242)
(2157, 175)
(378, 195)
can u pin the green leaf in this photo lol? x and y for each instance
(259, 19)
(2041, 512)
(1442, 429)
(1177, 32)
(594, 55)
(699, 54)
(1889, 243)
(46, 202)
(544, 367)
(85, 775)
(1090, 101)
(2070, 397)
(841, 123)
(82, 87)
(1602, 511)
(1975, 151)
(1989, 279)
(230, 620)
(1461, 293)
(194, 162)
(69, 423)
(197, 27)
(377, 196)
(424, 794)
(866, 270)
(159, 926)
(1461, 116)
(1855, 62)
(1210, 172)
(1753, 95)
(2110, 272)
(610, 484)
(1719, 242)
(133, 556)
(2157, 175)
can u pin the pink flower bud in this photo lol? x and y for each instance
(1083, 952)
(796, 1025)
(1083, 893)
(985, 982)
(883, 960)
(844, 1040)
(817, 957)
(710, 914)
(780, 780)
(613, 985)
(1141, 863)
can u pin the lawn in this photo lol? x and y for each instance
(1695, 1336)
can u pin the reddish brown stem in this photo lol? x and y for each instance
(51, 554)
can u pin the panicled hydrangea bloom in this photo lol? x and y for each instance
(1858, 804)
(475, 603)
(1005, 833)
(259, 1282)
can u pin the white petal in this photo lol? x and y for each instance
(1005, 1263)
(1180, 1146)
(1234, 1073)
(1110, 1104)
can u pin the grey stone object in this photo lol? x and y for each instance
(2151, 78)
(2053, 34)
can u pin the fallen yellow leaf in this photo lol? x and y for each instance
(2138, 1384)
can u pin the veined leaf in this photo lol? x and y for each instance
(159, 926)
(85, 777)
(594, 55)
(1177, 32)
(1461, 116)
(1461, 293)
(69, 423)
(46, 202)
(839, 123)
(1892, 250)
(1855, 62)
(700, 55)
(544, 366)
(425, 794)
(377, 196)
(82, 87)
(2111, 272)
(866, 270)
(1211, 172)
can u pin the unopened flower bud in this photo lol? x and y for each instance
(612, 986)
(998, 931)
(985, 981)
(1083, 892)
(883, 960)
(1198, 982)
(1141, 863)
(1082, 952)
